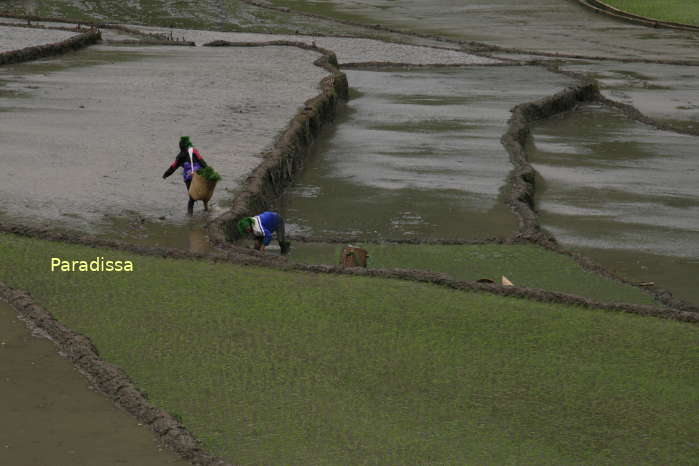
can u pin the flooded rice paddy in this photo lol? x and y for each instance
(417, 154)
(561, 26)
(347, 49)
(92, 132)
(625, 192)
(51, 416)
(668, 93)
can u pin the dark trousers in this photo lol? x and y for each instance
(188, 183)
(190, 203)
(280, 230)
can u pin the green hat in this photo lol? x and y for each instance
(185, 142)
(244, 224)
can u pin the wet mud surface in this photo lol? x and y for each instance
(51, 416)
(15, 38)
(108, 32)
(561, 26)
(619, 188)
(417, 153)
(667, 93)
(92, 132)
(233, 15)
(347, 49)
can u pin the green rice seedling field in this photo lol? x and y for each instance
(272, 367)
(678, 11)
(524, 265)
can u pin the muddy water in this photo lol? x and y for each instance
(417, 154)
(543, 25)
(667, 93)
(51, 417)
(625, 192)
(91, 133)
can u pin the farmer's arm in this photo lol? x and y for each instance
(263, 240)
(176, 164)
(259, 244)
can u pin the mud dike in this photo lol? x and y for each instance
(279, 167)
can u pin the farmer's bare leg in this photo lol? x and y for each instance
(206, 205)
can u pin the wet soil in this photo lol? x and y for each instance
(668, 93)
(202, 14)
(15, 38)
(51, 416)
(544, 25)
(92, 132)
(347, 49)
(619, 188)
(417, 153)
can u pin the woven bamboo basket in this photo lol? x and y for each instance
(353, 257)
(201, 189)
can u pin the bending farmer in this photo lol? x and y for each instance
(190, 161)
(261, 228)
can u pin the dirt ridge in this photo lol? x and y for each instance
(109, 379)
(47, 50)
(522, 176)
(280, 164)
(277, 171)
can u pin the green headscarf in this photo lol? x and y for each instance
(185, 142)
(244, 224)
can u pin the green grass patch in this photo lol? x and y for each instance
(524, 265)
(271, 367)
(678, 11)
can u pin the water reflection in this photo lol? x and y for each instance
(627, 187)
(417, 154)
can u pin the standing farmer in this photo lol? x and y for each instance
(261, 228)
(190, 161)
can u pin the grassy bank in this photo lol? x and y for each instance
(274, 367)
(678, 11)
(524, 265)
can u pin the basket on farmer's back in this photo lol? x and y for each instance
(203, 183)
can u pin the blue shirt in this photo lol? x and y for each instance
(265, 224)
